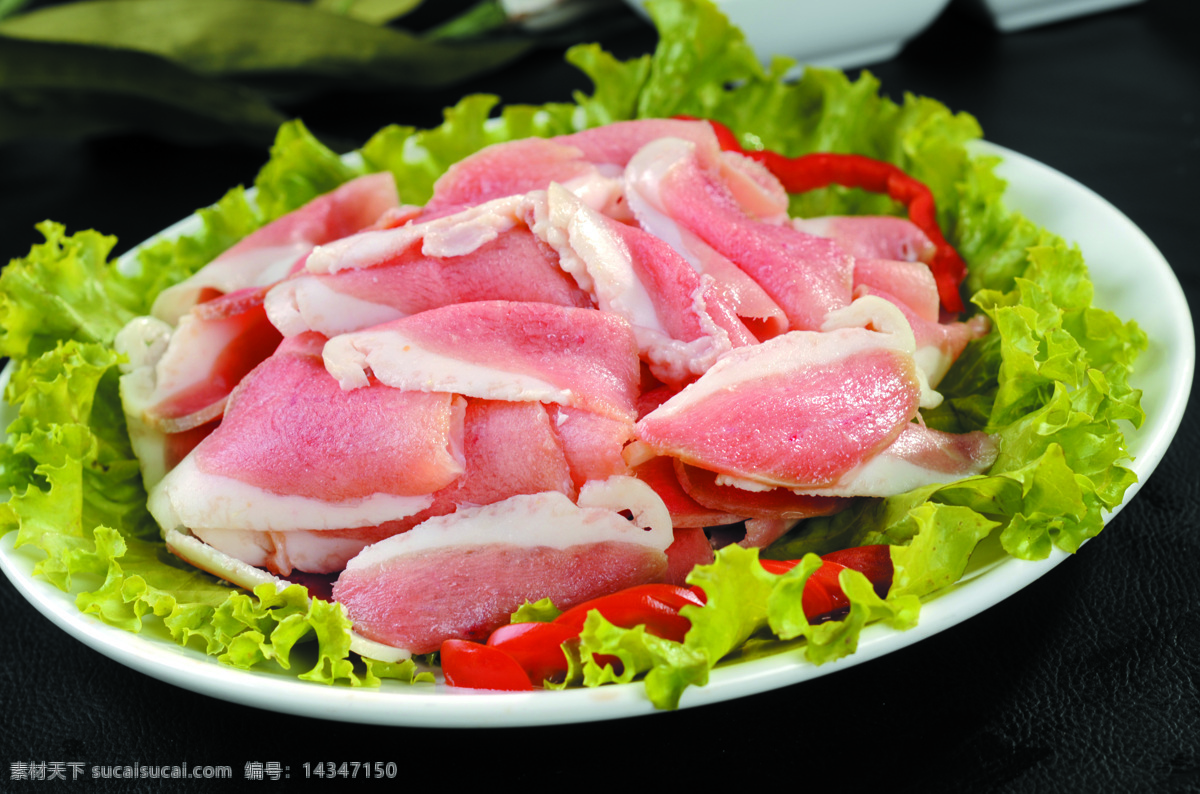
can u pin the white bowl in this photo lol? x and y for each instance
(1009, 15)
(841, 34)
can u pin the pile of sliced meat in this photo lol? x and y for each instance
(546, 382)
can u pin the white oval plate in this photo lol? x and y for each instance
(1132, 278)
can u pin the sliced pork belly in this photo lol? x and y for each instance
(508, 449)
(766, 503)
(797, 411)
(938, 344)
(456, 234)
(659, 473)
(462, 575)
(514, 266)
(513, 168)
(807, 276)
(678, 319)
(872, 236)
(592, 443)
(690, 548)
(499, 350)
(296, 452)
(269, 254)
(908, 284)
(918, 457)
(214, 347)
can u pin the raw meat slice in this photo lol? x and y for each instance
(872, 236)
(462, 575)
(807, 276)
(770, 503)
(508, 169)
(938, 344)
(514, 266)
(455, 234)
(499, 350)
(592, 443)
(797, 411)
(212, 349)
(508, 449)
(690, 548)
(659, 473)
(296, 452)
(918, 457)
(678, 319)
(269, 254)
(909, 284)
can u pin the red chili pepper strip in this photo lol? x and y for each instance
(654, 605)
(874, 562)
(822, 592)
(475, 666)
(537, 647)
(812, 171)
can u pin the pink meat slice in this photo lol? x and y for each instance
(796, 411)
(775, 503)
(592, 443)
(690, 548)
(290, 429)
(270, 253)
(507, 169)
(807, 276)
(508, 449)
(938, 344)
(919, 456)
(872, 236)
(659, 473)
(755, 189)
(909, 284)
(679, 319)
(500, 350)
(617, 143)
(514, 267)
(462, 575)
(213, 348)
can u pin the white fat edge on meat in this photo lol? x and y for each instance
(307, 303)
(452, 235)
(401, 362)
(757, 191)
(548, 519)
(896, 470)
(882, 316)
(845, 334)
(641, 195)
(175, 368)
(601, 264)
(223, 566)
(189, 497)
(257, 267)
(306, 550)
(143, 341)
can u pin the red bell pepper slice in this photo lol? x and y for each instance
(654, 605)
(823, 593)
(812, 171)
(475, 666)
(874, 562)
(537, 647)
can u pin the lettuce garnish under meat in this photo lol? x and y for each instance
(1051, 379)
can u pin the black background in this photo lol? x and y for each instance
(1087, 680)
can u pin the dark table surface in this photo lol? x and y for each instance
(1087, 680)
